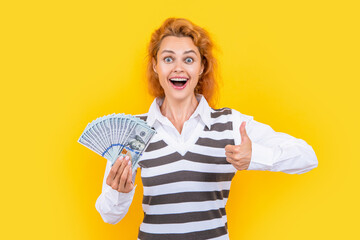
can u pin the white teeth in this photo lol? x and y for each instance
(178, 79)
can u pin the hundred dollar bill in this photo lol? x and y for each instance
(117, 134)
(136, 142)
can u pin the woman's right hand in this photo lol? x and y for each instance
(120, 175)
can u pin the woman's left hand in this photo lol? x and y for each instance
(240, 155)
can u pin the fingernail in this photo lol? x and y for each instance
(127, 158)
(121, 158)
(129, 162)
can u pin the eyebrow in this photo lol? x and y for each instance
(188, 51)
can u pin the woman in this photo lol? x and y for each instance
(187, 168)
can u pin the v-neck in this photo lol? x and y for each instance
(191, 130)
(183, 147)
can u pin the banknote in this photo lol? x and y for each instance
(117, 134)
(136, 142)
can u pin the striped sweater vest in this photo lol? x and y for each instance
(185, 195)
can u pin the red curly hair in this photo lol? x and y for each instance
(180, 27)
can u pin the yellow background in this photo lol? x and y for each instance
(293, 65)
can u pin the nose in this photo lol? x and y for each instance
(178, 66)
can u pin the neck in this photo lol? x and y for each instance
(179, 111)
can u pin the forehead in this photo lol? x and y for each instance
(177, 44)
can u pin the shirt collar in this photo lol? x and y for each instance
(202, 110)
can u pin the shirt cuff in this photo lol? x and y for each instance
(117, 197)
(261, 157)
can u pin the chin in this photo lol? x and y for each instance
(179, 95)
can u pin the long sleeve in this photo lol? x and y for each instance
(275, 151)
(111, 204)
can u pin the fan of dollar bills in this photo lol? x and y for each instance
(117, 134)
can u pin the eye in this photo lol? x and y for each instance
(189, 58)
(167, 58)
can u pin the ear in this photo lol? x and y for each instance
(202, 68)
(153, 64)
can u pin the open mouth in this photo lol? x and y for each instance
(178, 83)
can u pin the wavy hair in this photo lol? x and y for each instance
(180, 27)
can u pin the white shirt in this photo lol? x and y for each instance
(271, 151)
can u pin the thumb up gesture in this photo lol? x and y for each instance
(240, 155)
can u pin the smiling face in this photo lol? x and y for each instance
(178, 67)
